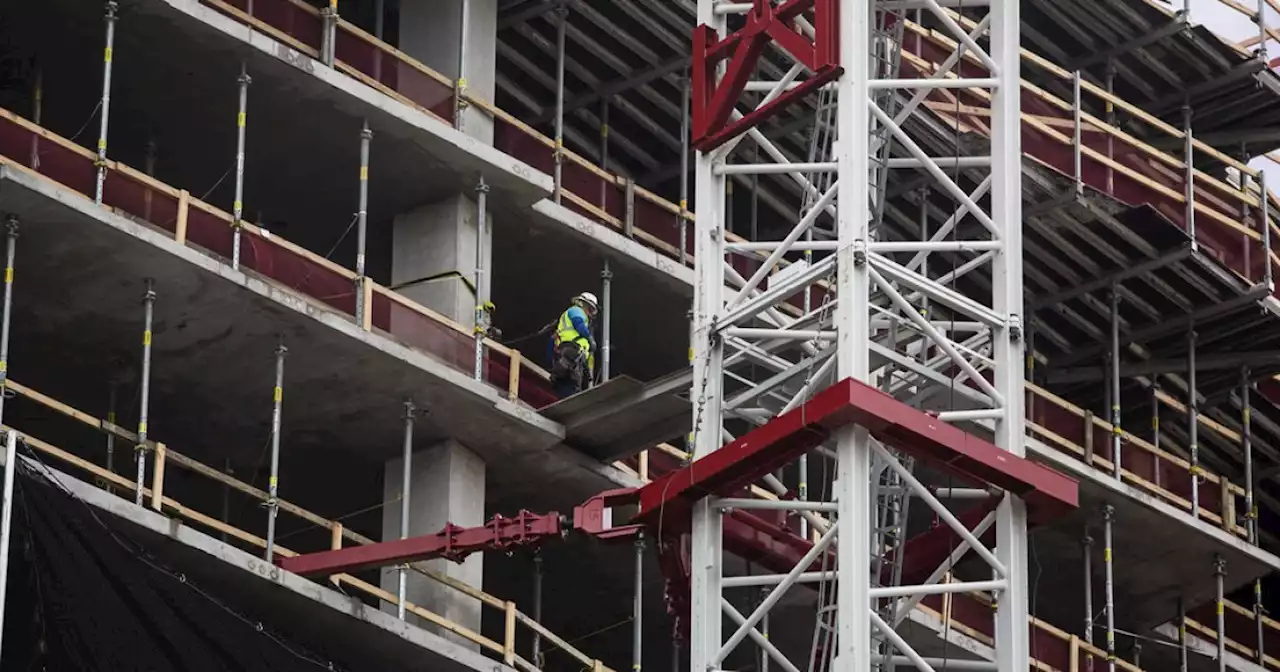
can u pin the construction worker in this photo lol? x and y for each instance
(573, 346)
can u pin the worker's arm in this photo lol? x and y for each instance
(579, 320)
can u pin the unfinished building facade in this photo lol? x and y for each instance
(969, 303)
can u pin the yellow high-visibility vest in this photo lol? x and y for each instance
(567, 333)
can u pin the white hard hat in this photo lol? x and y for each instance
(589, 299)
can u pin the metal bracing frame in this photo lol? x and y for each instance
(864, 321)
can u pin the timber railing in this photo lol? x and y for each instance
(164, 458)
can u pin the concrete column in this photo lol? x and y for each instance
(448, 485)
(433, 257)
(432, 32)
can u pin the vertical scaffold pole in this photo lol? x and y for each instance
(1155, 418)
(329, 35)
(1108, 515)
(683, 220)
(562, 20)
(1087, 551)
(362, 220)
(1193, 422)
(606, 314)
(37, 116)
(637, 609)
(1182, 635)
(1189, 180)
(10, 251)
(1077, 136)
(1265, 197)
(113, 389)
(460, 92)
(1116, 457)
(6, 518)
(1246, 440)
(273, 481)
(140, 450)
(104, 117)
(1219, 571)
(537, 609)
(406, 484)
(149, 167)
(482, 282)
(604, 151)
(237, 206)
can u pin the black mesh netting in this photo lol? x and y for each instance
(85, 595)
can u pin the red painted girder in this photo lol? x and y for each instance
(765, 449)
(453, 542)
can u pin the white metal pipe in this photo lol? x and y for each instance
(1116, 456)
(945, 663)
(931, 246)
(1108, 516)
(362, 219)
(760, 640)
(929, 83)
(482, 277)
(773, 168)
(406, 487)
(606, 310)
(976, 414)
(562, 18)
(796, 335)
(775, 505)
(905, 606)
(104, 117)
(1219, 571)
(144, 404)
(794, 235)
(237, 205)
(943, 231)
(637, 608)
(10, 251)
(37, 116)
(1193, 423)
(798, 246)
(273, 480)
(939, 588)
(6, 520)
(899, 643)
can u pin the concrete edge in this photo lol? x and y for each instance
(632, 252)
(1203, 647)
(1078, 470)
(286, 298)
(953, 637)
(176, 530)
(364, 93)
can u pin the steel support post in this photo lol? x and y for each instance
(1182, 635)
(1265, 198)
(105, 111)
(140, 450)
(1155, 418)
(1108, 516)
(682, 220)
(562, 21)
(637, 609)
(1111, 121)
(1087, 548)
(237, 206)
(1219, 572)
(1077, 134)
(1259, 612)
(37, 115)
(483, 307)
(1246, 440)
(6, 319)
(406, 486)
(460, 91)
(379, 26)
(273, 481)
(606, 313)
(6, 520)
(1193, 423)
(536, 645)
(1116, 457)
(329, 35)
(113, 389)
(1189, 178)
(149, 167)
(362, 220)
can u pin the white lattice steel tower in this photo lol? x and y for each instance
(880, 285)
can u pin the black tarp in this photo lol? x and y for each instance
(86, 595)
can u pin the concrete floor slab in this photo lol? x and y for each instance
(1160, 552)
(77, 310)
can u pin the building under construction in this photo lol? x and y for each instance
(934, 334)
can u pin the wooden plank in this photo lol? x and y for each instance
(366, 293)
(513, 376)
(157, 476)
(184, 209)
(53, 404)
(1073, 655)
(263, 27)
(509, 634)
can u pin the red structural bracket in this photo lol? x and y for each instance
(453, 543)
(668, 500)
(713, 103)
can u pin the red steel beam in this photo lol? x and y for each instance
(453, 542)
(763, 450)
